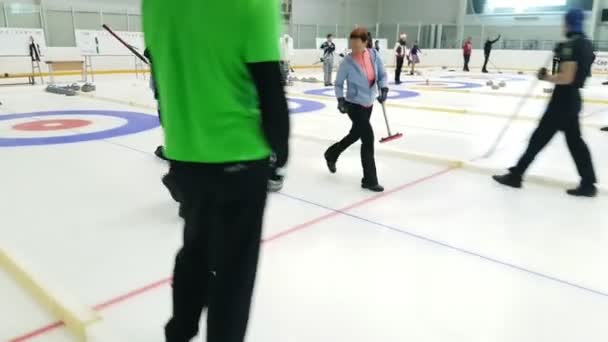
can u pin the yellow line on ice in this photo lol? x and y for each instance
(75, 316)
(470, 166)
(446, 110)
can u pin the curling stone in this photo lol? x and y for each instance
(495, 87)
(88, 87)
(75, 87)
(53, 89)
(490, 83)
(502, 84)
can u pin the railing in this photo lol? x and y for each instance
(531, 37)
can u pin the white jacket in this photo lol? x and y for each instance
(404, 51)
(286, 44)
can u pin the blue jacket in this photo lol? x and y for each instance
(358, 89)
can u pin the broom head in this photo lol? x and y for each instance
(391, 138)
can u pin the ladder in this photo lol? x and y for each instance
(36, 71)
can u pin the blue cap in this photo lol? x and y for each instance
(575, 19)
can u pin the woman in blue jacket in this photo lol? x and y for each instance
(364, 74)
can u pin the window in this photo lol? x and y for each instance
(520, 6)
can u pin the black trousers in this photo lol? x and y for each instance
(284, 72)
(467, 59)
(561, 115)
(398, 69)
(361, 129)
(216, 267)
(485, 63)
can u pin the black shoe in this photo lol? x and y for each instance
(605, 129)
(509, 179)
(331, 165)
(484, 71)
(583, 191)
(375, 188)
(169, 182)
(160, 153)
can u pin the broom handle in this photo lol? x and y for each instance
(127, 45)
(515, 114)
(388, 128)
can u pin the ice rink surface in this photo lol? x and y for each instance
(444, 254)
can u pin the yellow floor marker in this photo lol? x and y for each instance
(75, 316)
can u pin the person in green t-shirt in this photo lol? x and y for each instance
(224, 111)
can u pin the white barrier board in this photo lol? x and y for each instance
(16, 41)
(103, 43)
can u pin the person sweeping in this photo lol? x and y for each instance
(487, 50)
(364, 74)
(576, 57)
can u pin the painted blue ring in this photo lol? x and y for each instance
(305, 106)
(401, 94)
(458, 85)
(136, 123)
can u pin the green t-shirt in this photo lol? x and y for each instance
(208, 100)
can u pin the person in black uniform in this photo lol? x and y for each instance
(487, 50)
(562, 114)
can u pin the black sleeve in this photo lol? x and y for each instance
(495, 40)
(323, 46)
(273, 104)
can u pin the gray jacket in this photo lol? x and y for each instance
(358, 89)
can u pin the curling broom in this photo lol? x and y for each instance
(514, 116)
(390, 136)
(127, 45)
(495, 67)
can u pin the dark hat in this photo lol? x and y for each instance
(575, 18)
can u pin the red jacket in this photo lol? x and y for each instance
(467, 48)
